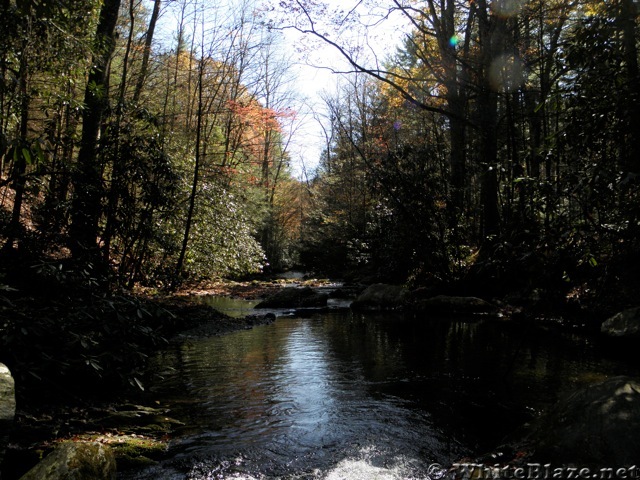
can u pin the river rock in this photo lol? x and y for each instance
(75, 461)
(258, 319)
(294, 297)
(380, 296)
(7, 407)
(450, 305)
(597, 425)
(623, 324)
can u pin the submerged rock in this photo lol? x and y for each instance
(294, 297)
(7, 407)
(597, 425)
(623, 324)
(450, 305)
(75, 461)
(258, 319)
(380, 296)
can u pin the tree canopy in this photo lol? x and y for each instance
(499, 140)
(150, 158)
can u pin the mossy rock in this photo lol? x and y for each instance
(132, 451)
(76, 461)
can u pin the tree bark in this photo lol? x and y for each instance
(196, 178)
(148, 40)
(628, 14)
(87, 182)
(20, 163)
(118, 162)
(490, 33)
(631, 160)
(455, 97)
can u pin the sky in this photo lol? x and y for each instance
(317, 80)
(312, 62)
(312, 83)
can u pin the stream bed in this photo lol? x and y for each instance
(341, 395)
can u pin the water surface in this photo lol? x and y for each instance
(342, 395)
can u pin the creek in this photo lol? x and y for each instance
(342, 395)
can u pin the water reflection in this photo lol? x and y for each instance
(321, 396)
(233, 307)
(305, 388)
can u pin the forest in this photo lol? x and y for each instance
(500, 137)
(496, 152)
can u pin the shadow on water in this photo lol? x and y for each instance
(342, 395)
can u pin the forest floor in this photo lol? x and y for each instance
(248, 289)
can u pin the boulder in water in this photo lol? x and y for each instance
(597, 425)
(623, 324)
(7, 406)
(380, 296)
(294, 297)
(258, 319)
(451, 305)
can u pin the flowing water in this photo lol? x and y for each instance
(341, 395)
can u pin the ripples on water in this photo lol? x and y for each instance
(340, 396)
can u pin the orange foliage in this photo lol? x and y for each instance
(259, 118)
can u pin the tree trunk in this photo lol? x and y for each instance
(490, 33)
(443, 20)
(489, 179)
(458, 165)
(629, 13)
(631, 159)
(148, 40)
(118, 163)
(87, 182)
(194, 183)
(20, 163)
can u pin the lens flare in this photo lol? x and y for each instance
(507, 8)
(506, 73)
(454, 41)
